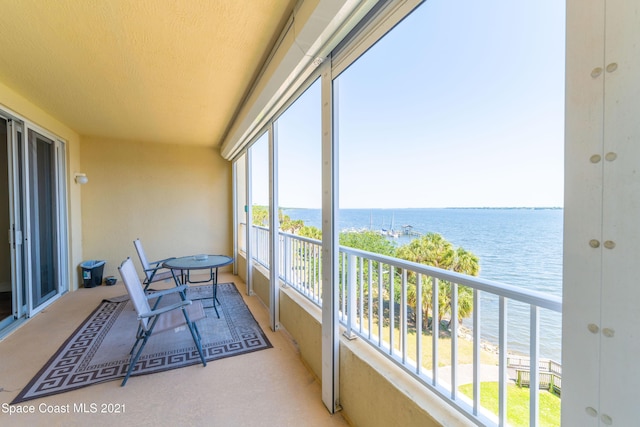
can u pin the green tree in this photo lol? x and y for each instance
(432, 249)
(289, 225)
(260, 215)
(370, 241)
(310, 231)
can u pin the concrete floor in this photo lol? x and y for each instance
(266, 388)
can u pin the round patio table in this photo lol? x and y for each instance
(186, 264)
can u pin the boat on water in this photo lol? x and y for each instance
(391, 232)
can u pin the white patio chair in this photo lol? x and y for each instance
(153, 271)
(183, 312)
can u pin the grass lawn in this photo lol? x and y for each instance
(465, 348)
(517, 403)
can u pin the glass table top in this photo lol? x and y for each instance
(196, 262)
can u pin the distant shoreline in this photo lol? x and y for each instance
(533, 208)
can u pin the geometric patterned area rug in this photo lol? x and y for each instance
(98, 350)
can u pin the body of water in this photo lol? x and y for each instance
(520, 247)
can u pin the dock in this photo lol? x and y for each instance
(407, 230)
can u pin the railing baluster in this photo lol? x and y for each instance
(403, 316)
(380, 303)
(370, 295)
(534, 380)
(392, 310)
(361, 296)
(287, 260)
(435, 329)
(351, 287)
(294, 266)
(502, 363)
(319, 273)
(299, 261)
(308, 268)
(343, 284)
(453, 326)
(419, 324)
(291, 260)
(304, 265)
(314, 272)
(288, 257)
(476, 351)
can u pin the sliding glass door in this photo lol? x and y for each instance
(32, 191)
(13, 291)
(43, 218)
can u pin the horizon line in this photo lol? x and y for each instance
(439, 207)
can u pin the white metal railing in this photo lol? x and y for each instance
(300, 262)
(260, 244)
(242, 239)
(379, 302)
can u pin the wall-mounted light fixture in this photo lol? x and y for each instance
(81, 178)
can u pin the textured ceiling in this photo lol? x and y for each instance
(144, 70)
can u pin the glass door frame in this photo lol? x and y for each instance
(20, 233)
(60, 236)
(14, 138)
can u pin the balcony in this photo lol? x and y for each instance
(160, 170)
(270, 387)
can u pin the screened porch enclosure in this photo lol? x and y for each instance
(186, 117)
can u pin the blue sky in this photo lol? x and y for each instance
(462, 104)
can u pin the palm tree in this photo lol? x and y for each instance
(434, 250)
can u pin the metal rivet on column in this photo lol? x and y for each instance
(594, 243)
(593, 328)
(609, 244)
(591, 411)
(596, 72)
(610, 157)
(612, 67)
(595, 158)
(606, 419)
(608, 332)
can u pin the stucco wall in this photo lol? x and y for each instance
(241, 267)
(375, 392)
(260, 284)
(175, 198)
(303, 321)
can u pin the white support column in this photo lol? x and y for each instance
(330, 327)
(620, 293)
(249, 201)
(582, 263)
(234, 213)
(274, 235)
(602, 207)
